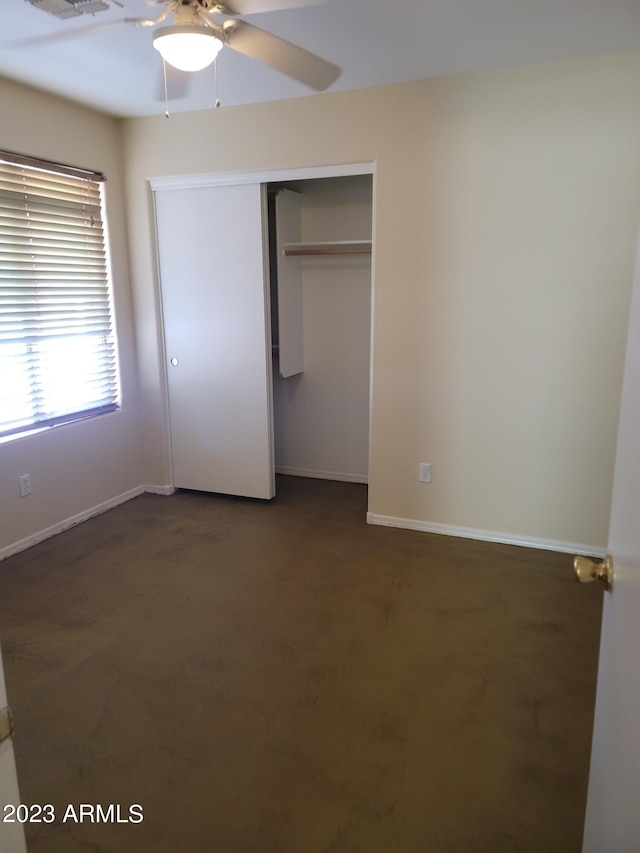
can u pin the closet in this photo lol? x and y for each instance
(266, 310)
(321, 414)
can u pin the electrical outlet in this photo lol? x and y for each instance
(25, 485)
(424, 472)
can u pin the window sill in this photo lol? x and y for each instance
(39, 430)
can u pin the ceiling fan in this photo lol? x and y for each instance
(191, 38)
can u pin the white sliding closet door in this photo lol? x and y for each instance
(212, 251)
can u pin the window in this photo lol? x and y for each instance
(57, 341)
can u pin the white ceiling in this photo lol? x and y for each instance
(375, 42)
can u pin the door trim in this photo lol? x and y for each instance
(263, 176)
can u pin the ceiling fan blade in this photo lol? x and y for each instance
(288, 58)
(177, 83)
(77, 32)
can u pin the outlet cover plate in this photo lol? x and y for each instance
(424, 472)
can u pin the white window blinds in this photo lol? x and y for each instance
(57, 342)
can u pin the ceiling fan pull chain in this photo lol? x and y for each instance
(166, 94)
(215, 77)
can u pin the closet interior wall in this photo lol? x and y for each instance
(321, 416)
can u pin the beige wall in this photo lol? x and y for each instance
(82, 465)
(506, 213)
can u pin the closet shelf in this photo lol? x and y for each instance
(329, 247)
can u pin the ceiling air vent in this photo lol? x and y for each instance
(70, 8)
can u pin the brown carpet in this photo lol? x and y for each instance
(282, 678)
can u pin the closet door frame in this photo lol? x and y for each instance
(266, 176)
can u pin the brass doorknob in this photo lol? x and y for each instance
(588, 570)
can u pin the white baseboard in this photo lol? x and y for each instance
(86, 514)
(486, 535)
(322, 475)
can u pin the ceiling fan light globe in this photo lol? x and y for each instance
(188, 48)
